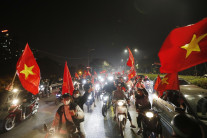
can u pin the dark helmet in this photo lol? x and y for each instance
(66, 95)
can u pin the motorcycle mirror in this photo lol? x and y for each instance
(45, 128)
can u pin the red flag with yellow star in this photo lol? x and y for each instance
(67, 86)
(169, 82)
(130, 61)
(157, 82)
(28, 71)
(184, 47)
(132, 73)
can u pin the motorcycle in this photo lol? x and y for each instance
(73, 132)
(151, 124)
(106, 103)
(58, 97)
(90, 102)
(121, 115)
(12, 109)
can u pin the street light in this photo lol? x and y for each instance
(135, 50)
(125, 51)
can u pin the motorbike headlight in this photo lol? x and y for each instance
(58, 95)
(15, 101)
(41, 86)
(105, 98)
(15, 90)
(120, 103)
(84, 81)
(110, 78)
(149, 114)
(124, 78)
(90, 97)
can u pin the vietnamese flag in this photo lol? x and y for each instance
(169, 82)
(67, 86)
(130, 61)
(184, 47)
(28, 71)
(132, 73)
(76, 75)
(103, 72)
(157, 82)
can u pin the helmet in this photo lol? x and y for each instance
(66, 95)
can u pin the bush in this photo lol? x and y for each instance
(196, 80)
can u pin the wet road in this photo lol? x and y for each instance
(96, 126)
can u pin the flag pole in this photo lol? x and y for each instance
(14, 77)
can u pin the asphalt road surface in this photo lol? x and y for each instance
(96, 126)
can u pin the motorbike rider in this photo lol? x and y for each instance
(140, 84)
(26, 98)
(66, 117)
(142, 103)
(89, 84)
(80, 100)
(119, 95)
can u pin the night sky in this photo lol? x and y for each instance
(70, 28)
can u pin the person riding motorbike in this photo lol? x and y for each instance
(80, 100)
(89, 84)
(142, 103)
(67, 117)
(119, 95)
(26, 98)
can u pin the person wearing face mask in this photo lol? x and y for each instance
(67, 117)
(80, 100)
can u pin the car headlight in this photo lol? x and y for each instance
(15, 90)
(149, 114)
(120, 103)
(105, 98)
(15, 101)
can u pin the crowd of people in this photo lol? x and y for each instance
(71, 112)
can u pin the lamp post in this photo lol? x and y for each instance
(89, 56)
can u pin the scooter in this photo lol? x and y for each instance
(58, 98)
(90, 102)
(121, 115)
(151, 124)
(73, 132)
(106, 104)
(13, 113)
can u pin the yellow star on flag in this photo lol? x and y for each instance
(27, 71)
(164, 80)
(193, 45)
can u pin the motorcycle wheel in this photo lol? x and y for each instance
(9, 123)
(104, 110)
(121, 127)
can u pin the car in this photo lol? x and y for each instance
(182, 112)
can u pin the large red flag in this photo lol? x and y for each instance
(184, 47)
(157, 82)
(67, 86)
(130, 61)
(28, 71)
(169, 82)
